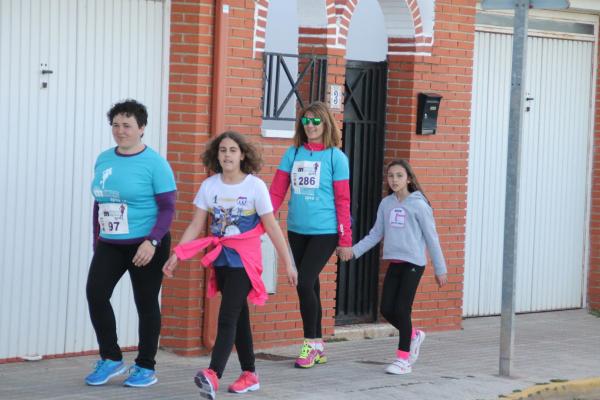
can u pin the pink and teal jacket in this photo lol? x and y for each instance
(247, 245)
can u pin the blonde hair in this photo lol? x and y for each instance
(331, 132)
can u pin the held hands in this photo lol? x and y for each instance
(144, 254)
(170, 266)
(441, 279)
(344, 253)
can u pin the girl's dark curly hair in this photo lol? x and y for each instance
(251, 163)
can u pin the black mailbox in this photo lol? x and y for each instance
(427, 113)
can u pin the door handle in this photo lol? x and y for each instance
(47, 71)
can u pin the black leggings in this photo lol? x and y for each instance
(311, 253)
(399, 289)
(109, 263)
(234, 320)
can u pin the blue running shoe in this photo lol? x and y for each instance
(103, 371)
(140, 377)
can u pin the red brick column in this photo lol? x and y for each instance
(189, 119)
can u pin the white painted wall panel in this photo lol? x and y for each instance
(36, 175)
(559, 131)
(487, 172)
(119, 55)
(554, 175)
(99, 52)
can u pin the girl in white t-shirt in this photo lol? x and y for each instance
(240, 209)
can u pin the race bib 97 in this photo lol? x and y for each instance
(112, 218)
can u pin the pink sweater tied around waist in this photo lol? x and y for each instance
(247, 245)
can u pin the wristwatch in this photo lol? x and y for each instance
(153, 242)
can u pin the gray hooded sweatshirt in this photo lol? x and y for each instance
(407, 227)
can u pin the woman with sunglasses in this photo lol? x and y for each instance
(318, 214)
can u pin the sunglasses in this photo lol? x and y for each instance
(315, 121)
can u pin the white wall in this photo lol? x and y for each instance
(367, 39)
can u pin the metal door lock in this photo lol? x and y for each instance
(528, 98)
(45, 72)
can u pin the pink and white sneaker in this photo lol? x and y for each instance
(247, 382)
(208, 383)
(415, 346)
(399, 367)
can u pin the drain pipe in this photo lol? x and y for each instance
(217, 124)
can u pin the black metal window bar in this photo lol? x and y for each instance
(309, 85)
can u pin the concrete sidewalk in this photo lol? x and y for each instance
(460, 365)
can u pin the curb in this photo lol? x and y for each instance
(364, 331)
(538, 392)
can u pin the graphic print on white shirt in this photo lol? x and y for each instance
(235, 208)
(306, 176)
(227, 219)
(397, 217)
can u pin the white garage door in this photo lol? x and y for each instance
(554, 181)
(63, 63)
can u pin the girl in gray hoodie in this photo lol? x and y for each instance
(406, 225)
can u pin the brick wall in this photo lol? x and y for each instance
(440, 161)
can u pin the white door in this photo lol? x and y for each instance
(553, 189)
(63, 63)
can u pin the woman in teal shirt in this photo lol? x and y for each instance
(134, 191)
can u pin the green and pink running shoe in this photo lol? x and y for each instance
(309, 356)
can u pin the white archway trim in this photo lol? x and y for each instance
(426, 9)
(420, 46)
(343, 16)
(408, 32)
(260, 26)
(409, 24)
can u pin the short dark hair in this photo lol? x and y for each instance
(251, 163)
(129, 107)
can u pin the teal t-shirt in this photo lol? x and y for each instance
(124, 187)
(311, 208)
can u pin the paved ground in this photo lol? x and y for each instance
(460, 365)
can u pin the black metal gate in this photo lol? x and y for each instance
(290, 82)
(364, 127)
